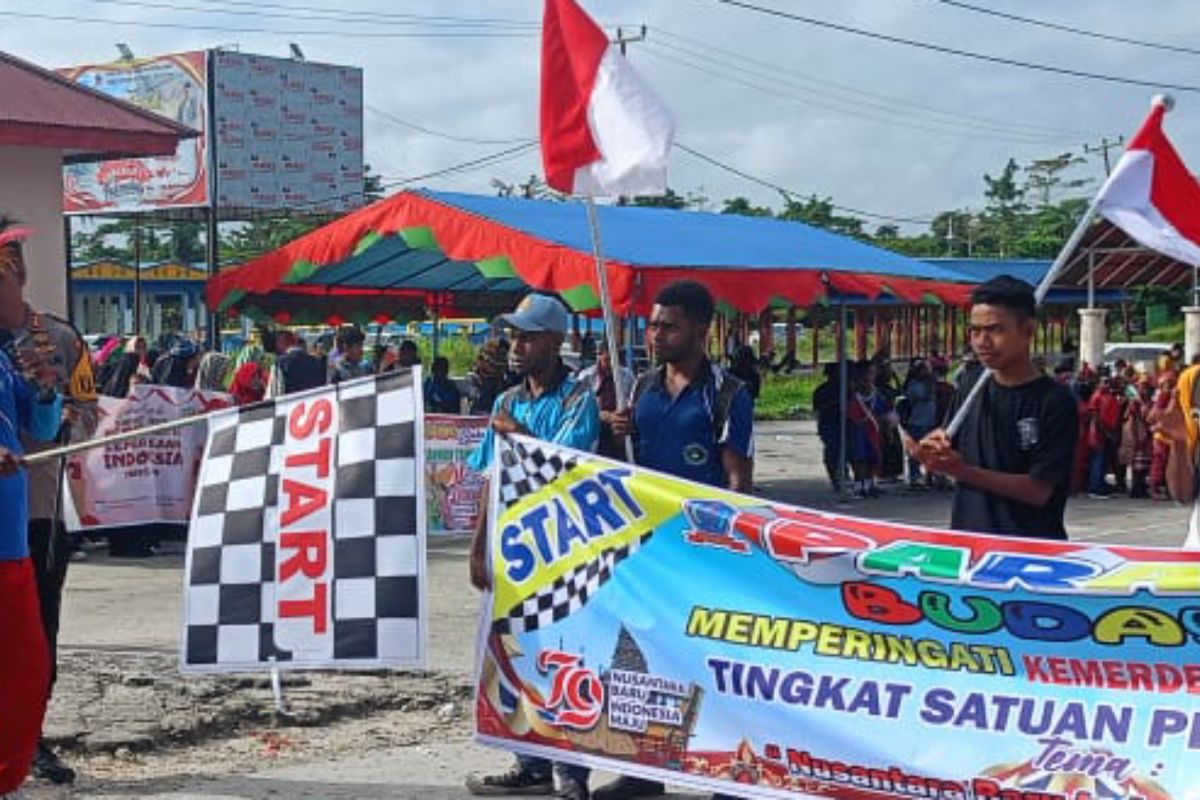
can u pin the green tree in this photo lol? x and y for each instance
(1000, 223)
(1044, 177)
(373, 188)
(742, 206)
(819, 212)
(671, 199)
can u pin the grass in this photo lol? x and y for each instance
(785, 397)
(1166, 333)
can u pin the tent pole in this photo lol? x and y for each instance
(436, 330)
(610, 318)
(843, 397)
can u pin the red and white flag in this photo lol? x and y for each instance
(604, 130)
(1152, 196)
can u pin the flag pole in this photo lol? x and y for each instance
(124, 436)
(610, 318)
(184, 422)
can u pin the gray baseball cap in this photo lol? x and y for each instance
(537, 313)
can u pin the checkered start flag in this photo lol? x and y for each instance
(307, 541)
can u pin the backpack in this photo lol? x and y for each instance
(729, 386)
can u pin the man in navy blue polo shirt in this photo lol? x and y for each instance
(552, 405)
(689, 418)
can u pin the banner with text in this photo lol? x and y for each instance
(452, 490)
(144, 480)
(655, 627)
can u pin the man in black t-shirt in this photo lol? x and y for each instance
(1012, 459)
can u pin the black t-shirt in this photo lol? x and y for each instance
(1028, 430)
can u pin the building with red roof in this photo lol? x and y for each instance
(47, 121)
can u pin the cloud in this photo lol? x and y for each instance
(822, 113)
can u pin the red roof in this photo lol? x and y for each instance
(41, 109)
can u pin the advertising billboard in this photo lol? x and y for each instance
(281, 134)
(287, 134)
(174, 86)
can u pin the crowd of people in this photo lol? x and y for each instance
(1034, 437)
(1116, 451)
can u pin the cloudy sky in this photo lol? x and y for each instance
(877, 126)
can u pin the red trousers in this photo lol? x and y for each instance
(24, 672)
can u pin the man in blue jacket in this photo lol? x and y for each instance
(28, 402)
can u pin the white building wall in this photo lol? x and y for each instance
(31, 192)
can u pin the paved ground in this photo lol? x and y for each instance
(138, 729)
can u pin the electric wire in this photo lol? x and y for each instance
(790, 194)
(706, 49)
(436, 34)
(284, 11)
(441, 134)
(866, 114)
(1055, 26)
(954, 51)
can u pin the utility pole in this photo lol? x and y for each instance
(1104, 146)
(624, 39)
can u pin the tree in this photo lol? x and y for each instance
(671, 199)
(819, 212)
(742, 206)
(1045, 176)
(373, 188)
(955, 230)
(1000, 222)
(533, 189)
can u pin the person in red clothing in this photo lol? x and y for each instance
(1105, 430)
(1083, 392)
(1161, 447)
(29, 404)
(1137, 438)
(249, 384)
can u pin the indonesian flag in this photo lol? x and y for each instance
(604, 130)
(1152, 196)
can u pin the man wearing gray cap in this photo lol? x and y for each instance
(552, 405)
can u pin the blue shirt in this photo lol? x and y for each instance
(19, 409)
(678, 435)
(565, 414)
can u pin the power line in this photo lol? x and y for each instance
(864, 110)
(483, 162)
(789, 194)
(899, 102)
(233, 8)
(474, 164)
(441, 134)
(436, 34)
(954, 51)
(1054, 26)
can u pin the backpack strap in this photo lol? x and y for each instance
(728, 386)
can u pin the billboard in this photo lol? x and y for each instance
(173, 86)
(281, 134)
(287, 134)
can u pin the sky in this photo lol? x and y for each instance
(880, 127)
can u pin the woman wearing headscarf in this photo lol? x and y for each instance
(178, 367)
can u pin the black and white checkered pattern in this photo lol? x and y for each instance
(525, 468)
(378, 533)
(568, 594)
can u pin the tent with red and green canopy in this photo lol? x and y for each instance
(451, 254)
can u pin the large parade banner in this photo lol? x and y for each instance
(452, 490)
(655, 627)
(149, 479)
